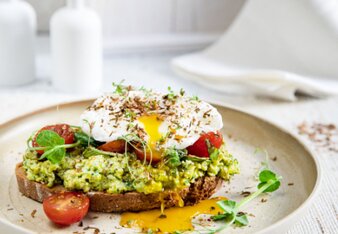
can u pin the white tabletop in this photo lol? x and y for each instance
(153, 71)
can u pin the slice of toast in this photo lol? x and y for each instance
(201, 189)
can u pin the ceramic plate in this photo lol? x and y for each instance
(243, 134)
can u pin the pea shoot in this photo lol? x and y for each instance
(53, 145)
(268, 182)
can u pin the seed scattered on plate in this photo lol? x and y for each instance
(96, 230)
(245, 193)
(323, 135)
(264, 200)
(33, 213)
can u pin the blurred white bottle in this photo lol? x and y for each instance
(76, 49)
(17, 39)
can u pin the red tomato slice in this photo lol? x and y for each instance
(66, 208)
(64, 130)
(200, 147)
(118, 146)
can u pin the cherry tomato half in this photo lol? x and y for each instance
(200, 147)
(155, 156)
(64, 130)
(66, 208)
(118, 146)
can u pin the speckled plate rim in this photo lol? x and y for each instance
(289, 219)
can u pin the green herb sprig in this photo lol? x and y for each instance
(53, 145)
(213, 151)
(129, 114)
(268, 182)
(86, 140)
(171, 94)
(174, 156)
(119, 87)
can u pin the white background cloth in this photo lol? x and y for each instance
(274, 48)
(153, 71)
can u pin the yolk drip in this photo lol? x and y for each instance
(151, 125)
(175, 219)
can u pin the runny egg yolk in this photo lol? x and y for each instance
(173, 219)
(152, 125)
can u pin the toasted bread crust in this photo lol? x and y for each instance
(202, 189)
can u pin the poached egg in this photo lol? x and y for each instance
(159, 120)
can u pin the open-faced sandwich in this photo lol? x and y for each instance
(134, 150)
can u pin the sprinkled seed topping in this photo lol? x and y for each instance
(117, 113)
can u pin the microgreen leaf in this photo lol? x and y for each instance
(241, 220)
(173, 156)
(85, 140)
(119, 88)
(264, 177)
(53, 145)
(55, 155)
(227, 217)
(48, 138)
(171, 95)
(227, 205)
(174, 160)
(214, 153)
(271, 188)
(129, 114)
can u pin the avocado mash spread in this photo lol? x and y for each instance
(88, 169)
